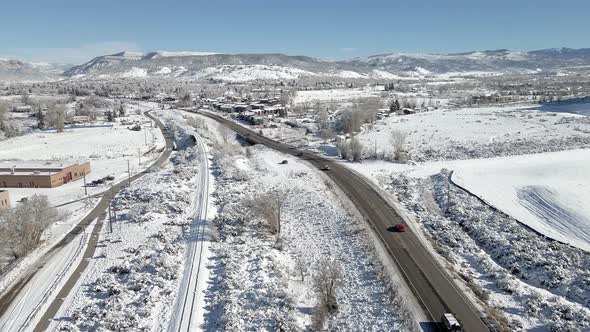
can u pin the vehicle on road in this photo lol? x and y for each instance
(284, 162)
(450, 323)
(400, 228)
(326, 168)
(299, 154)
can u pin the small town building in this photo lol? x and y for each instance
(40, 176)
(226, 108)
(242, 108)
(4, 200)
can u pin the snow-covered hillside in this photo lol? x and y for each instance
(483, 61)
(389, 66)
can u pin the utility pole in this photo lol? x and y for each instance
(145, 135)
(114, 213)
(110, 219)
(375, 149)
(279, 219)
(139, 155)
(449, 192)
(85, 187)
(128, 174)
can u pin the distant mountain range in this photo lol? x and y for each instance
(245, 67)
(14, 70)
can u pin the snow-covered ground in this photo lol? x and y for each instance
(35, 298)
(518, 273)
(107, 148)
(336, 95)
(480, 132)
(535, 282)
(255, 277)
(134, 279)
(548, 192)
(242, 73)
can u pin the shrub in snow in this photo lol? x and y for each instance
(325, 283)
(121, 269)
(474, 150)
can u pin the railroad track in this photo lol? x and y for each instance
(184, 314)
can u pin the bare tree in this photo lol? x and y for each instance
(56, 117)
(122, 110)
(25, 98)
(3, 117)
(344, 149)
(351, 121)
(398, 140)
(6, 126)
(322, 120)
(225, 132)
(24, 225)
(325, 283)
(268, 206)
(301, 267)
(327, 134)
(356, 149)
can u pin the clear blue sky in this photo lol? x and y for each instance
(75, 30)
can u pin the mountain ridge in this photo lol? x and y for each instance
(277, 66)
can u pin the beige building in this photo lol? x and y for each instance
(4, 200)
(41, 176)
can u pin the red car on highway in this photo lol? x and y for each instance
(400, 228)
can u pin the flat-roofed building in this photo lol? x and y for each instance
(40, 176)
(4, 200)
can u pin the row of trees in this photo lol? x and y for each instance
(354, 150)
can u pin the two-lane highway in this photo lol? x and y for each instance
(431, 285)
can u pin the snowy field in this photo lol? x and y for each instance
(335, 95)
(480, 133)
(107, 147)
(548, 192)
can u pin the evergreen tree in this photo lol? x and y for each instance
(122, 110)
(40, 119)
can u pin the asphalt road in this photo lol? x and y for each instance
(430, 284)
(99, 212)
